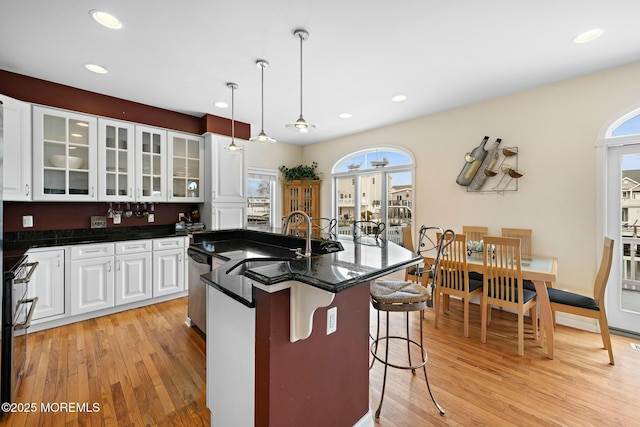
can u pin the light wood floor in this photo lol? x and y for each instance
(144, 367)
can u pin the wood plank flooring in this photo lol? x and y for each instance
(144, 367)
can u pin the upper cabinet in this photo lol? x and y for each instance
(64, 156)
(186, 167)
(229, 170)
(116, 160)
(151, 161)
(16, 125)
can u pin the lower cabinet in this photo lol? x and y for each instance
(133, 271)
(47, 282)
(92, 284)
(168, 266)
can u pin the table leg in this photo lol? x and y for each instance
(546, 320)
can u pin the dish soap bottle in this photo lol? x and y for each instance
(473, 162)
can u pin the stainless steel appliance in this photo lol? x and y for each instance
(199, 264)
(17, 310)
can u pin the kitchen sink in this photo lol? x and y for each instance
(255, 264)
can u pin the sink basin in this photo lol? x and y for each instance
(254, 264)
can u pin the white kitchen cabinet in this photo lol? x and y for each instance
(168, 266)
(228, 215)
(133, 281)
(16, 128)
(151, 164)
(92, 277)
(228, 169)
(116, 160)
(186, 167)
(47, 282)
(64, 155)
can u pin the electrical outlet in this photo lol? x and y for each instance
(151, 217)
(332, 320)
(180, 216)
(117, 218)
(27, 221)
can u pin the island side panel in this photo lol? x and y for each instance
(322, 380)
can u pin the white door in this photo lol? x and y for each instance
(91, 284)
(47, 283)
(168, 272)
(133, 278)
(623, 225)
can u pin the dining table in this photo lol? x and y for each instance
(541, 270)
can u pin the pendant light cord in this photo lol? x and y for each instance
(233, 125)
(301, 40)
(262, 95)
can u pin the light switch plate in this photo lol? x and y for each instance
(151, 217)
(117, 218)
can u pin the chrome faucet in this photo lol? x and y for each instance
(307, 219)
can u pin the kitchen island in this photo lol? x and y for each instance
(287, 337)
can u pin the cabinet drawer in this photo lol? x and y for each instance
(168, 243)
(93, 250)
(133, 247)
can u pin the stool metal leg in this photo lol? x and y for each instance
(375, 343)
(386, 365)
(424, 368)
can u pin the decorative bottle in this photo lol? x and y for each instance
(489, 164)
(473, 162)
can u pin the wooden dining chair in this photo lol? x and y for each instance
(474, 233)
(503, 285)
(453, 280)
(524, 234)
(569, 302)
(414, 272)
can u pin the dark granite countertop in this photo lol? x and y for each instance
(16, 243)
(266, 258)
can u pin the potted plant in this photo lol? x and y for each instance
(300, 172)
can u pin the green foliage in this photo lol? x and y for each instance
(300, 172)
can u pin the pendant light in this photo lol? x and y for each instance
(301, 125)
(262, 137)
(233, 146)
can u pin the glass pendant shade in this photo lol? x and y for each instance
(232, 146)
(262, 136)
(301, 125)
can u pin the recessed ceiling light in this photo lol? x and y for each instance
(106, 19)
(95, 68)
(345, 115)
(221, 104)
(399, 98)
(588, 35)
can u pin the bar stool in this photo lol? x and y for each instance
(404, 296)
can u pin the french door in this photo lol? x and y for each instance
(623, 225)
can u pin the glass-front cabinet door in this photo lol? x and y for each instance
(186, 167)
(116, 160)
(151, 157)
(64, 145)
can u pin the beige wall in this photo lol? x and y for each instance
(555, 128)
(272, 156)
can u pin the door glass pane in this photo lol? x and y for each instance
(260, 200)
(346, 204)
(122, 185)
(146, 142)
(122, 161)
(123, 138)
(111, 184)
(55, 181)
(630, 204)
(400, 205)
(111, 137)
(111, 160)
(179, 147)
(55, 128)
(78, 132)
(193, 151)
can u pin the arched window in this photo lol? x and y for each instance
(374, 184)
(626, 126)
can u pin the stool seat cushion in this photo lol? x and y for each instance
(398, 292)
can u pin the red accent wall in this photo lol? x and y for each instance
(70, 215)
(320, 381)
(43, 92)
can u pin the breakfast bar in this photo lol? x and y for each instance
(287, 336)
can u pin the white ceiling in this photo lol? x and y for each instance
(179, 55)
